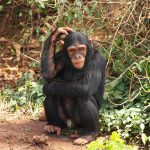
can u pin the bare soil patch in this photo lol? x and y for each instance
(18, 130)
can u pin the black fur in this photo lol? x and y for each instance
(83, 87)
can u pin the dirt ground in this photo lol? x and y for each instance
(17, 132)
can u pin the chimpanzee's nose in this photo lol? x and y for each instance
(78, 56)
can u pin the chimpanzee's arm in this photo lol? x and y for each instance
(88, 85)
(47, 60)
(51, 65)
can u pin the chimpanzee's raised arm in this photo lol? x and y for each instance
(49, 59)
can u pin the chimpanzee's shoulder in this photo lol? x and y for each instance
(99, 57)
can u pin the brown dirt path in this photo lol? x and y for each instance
(17, 131)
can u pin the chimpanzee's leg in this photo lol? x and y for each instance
(89, 115)
(51, 105)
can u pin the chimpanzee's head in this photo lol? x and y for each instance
(77, 50)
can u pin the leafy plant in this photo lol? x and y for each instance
(131, 121)
(28, 94)
(124, 40)
(114, 143)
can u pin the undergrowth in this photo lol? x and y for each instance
(121, 30)
(113, 143)
(27, 95)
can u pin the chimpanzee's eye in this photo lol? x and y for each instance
(72, 50)
(81, 49)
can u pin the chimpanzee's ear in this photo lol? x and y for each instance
(91, 39)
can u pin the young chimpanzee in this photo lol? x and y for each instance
(73, 92)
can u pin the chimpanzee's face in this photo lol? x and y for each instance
(77, 53)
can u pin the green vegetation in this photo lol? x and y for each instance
(113, 143)
(122, 33)
(28, 94)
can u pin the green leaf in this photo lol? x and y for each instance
(142, 126)
(1, 8)
(9, 2)
(42, 4)
(78, 3)
(144, 138)
(30, 12)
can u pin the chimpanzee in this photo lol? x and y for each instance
(74, 91)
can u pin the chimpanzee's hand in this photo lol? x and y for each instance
(61, 30)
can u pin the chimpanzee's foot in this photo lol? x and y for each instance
(84, 139)
(52, 129)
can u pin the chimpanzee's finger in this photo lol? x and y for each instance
(68, 29)
(64, 31)
(58, 131)
(52, 129)
(61, 30)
